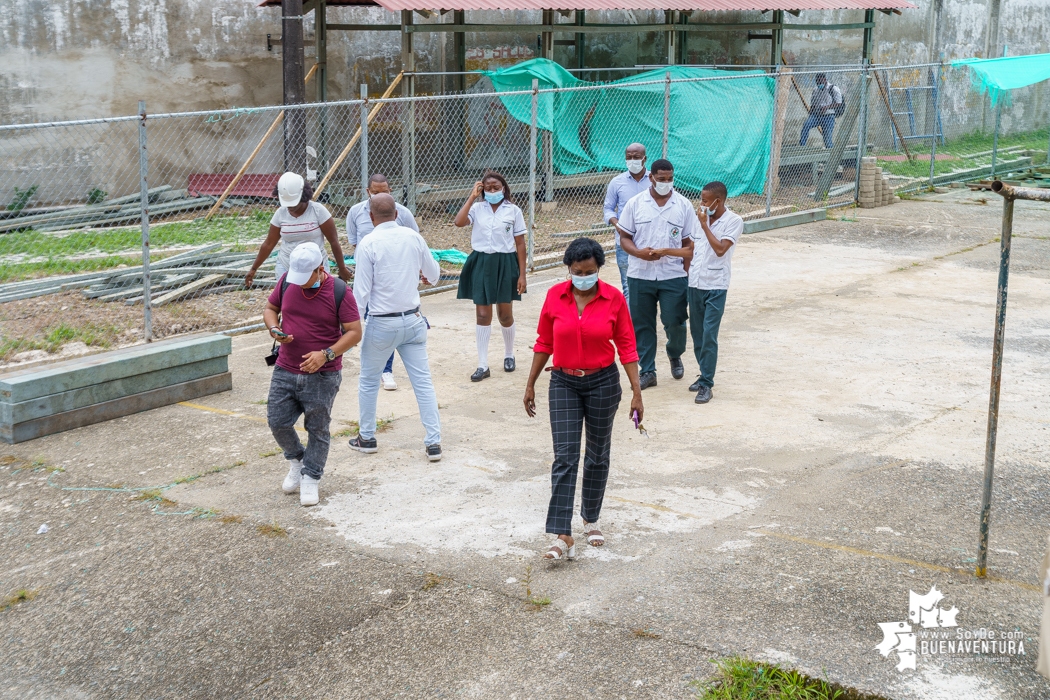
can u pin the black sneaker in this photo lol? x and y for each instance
(361, 445)
(508, 364)
(677, 368)
(647, 379)
(695, 386)
(434, 453)
(480, 374)
(703, 395)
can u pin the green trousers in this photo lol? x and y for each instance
(671, 295)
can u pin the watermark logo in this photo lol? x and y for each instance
(931, 630)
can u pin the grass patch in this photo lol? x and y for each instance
(431, 579)
(272, 530)
(270, 453)
(644, 633)
(214, 470)
(738, 677)
(231, 519)
(22, 595)
(382, 425)
(154, 496)
(968, 144)
(93, 334)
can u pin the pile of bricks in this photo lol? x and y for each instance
(875, 188)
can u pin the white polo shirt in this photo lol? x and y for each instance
(359, 223)
(653, 226)
(709, 271)
(494, 231)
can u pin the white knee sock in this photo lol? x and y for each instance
(483, 333)
(508, 340)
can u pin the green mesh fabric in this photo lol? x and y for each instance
(717, 129)
(998, 76)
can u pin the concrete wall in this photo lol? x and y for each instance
(70, 58)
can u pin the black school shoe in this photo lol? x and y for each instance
(480, 374)
(508, 364)
(677, 368)
(361, 445)
(647, 379)
(695, 386)
(703, 395)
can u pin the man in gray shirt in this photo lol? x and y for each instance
(359, 224)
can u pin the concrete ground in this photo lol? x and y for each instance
(838, 467)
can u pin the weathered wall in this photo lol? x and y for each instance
(68, 58)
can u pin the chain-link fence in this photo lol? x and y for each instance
(118, 228)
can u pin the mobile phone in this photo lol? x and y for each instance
(278, 332)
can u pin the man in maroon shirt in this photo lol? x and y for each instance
(318, 322)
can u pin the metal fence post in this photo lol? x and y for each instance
(773, 142)
(997, 375)
(862, 130)
(364, 139)
(532, 171)
(667, 111)
(147, 306)
(998, 121)
(936, 121)
(410, 178)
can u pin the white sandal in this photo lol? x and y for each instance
(595, 538)
(559, 549)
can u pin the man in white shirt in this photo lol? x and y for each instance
(709, 281)
(825, 104)
(656, 229)
(359, 224)
(389, 264)
(620, 190)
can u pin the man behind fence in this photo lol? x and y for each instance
(389, 264)
(319, 322)
(621, 188)
(825, 104)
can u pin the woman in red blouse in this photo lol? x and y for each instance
(581, 321)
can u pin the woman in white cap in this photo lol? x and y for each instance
(495, 271)
(299, 220)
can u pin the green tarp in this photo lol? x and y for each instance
(718, 129)
(998, 76)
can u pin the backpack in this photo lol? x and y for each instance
(838, 105)
(340, 293)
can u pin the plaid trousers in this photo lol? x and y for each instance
(575, 401)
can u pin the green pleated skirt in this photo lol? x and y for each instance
(490, 278)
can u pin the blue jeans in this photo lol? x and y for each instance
(706, 307)
(408, 336)
(622, 259)
(308, 395)
(826, 122)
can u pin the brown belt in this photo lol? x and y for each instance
(576, 372)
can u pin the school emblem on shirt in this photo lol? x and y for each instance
(675, 232)
(506, 228)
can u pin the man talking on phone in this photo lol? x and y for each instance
(319, 321)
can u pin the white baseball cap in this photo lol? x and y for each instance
(304, 260)
(290, 189)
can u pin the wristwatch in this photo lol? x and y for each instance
(329, 353)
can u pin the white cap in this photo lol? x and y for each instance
(290, 189)
(304, 260)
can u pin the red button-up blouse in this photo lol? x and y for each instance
(586, 342)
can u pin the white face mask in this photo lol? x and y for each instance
(634, 166)
(663, 188)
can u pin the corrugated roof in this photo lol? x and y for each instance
(682, 5)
